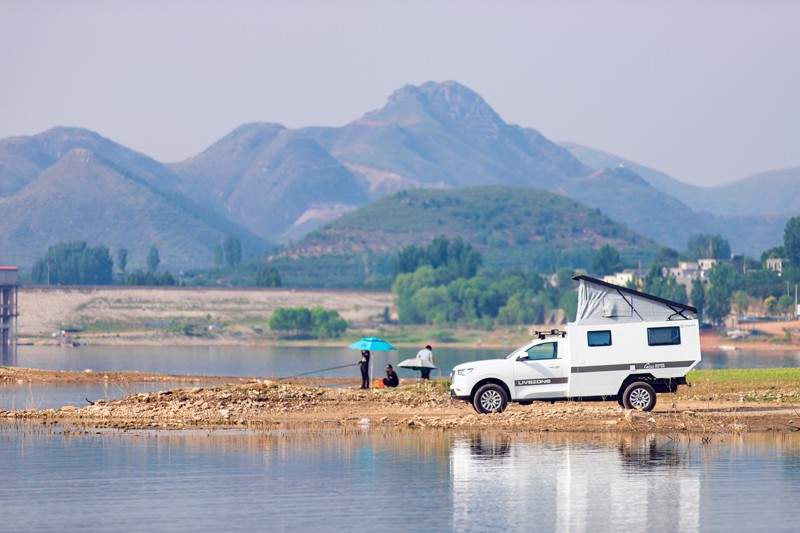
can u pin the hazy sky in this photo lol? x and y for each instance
(706, 91)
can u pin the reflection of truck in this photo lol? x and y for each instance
(624, 345)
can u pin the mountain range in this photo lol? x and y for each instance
(265, 183)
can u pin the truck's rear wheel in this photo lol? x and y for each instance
(640, 396)
(490, 398)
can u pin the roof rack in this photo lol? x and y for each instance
(551, 333)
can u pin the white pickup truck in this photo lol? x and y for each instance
(624, 345)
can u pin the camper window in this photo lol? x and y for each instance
(543, 351)
(599, 338)
(663, 336)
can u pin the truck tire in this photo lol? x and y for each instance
(490, 398)
(639, 396)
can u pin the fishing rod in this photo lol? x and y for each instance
(321, 370)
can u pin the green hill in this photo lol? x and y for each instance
(513, 227)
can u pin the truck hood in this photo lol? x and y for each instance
(483, 364)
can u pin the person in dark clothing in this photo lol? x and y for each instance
(364, 367)
(391, 379)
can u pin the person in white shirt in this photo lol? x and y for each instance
(426, 357)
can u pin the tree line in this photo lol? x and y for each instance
(77, 263)
(444, 284)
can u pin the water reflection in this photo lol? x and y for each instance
(392, 480)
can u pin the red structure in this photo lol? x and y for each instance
(9, 285)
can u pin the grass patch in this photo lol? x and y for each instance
(749, 376)
(746, 385)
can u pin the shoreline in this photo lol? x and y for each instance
(216, 316)
(324, 403)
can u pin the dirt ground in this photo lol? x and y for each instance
(321, 403)
(125, 315)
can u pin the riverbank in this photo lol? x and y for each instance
(175, 316)
(707, 409)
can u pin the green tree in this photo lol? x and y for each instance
(153, 259)
(233, 251)
(770, 305)
(327, 323)
(304, 322)
(297, 321)
(698, 295)
(122, 259)
(722, 280)
(267, 277)
(702, 245)
(96, 266)
(218, 255)
(74, 263)
(742, 302)
(659, 282)
(785, 304)
(605, 261)
(791, 240)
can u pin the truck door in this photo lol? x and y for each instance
(541, 372)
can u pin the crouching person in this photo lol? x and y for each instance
(391, 379)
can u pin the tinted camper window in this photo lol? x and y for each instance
(600, 338)
(663, 336)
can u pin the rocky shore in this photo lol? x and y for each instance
(330, 403)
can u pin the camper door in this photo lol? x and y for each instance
(540, 372)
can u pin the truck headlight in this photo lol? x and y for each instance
(464, 371)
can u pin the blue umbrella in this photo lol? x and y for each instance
(372, 344)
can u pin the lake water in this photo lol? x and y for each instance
(301, 480)
(250, 361)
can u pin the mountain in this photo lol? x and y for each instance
(77, 185)
(770, 193)
(519, 227)
(267, 183)
(445, 135)
(277, 182)
(628, 199)
(440, 136)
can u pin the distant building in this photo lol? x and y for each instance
(707, 264)
(626, 278)
(774, 264)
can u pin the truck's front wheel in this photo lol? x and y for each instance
(490, 398)
(639, 395)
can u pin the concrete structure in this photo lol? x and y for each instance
(775, 264)
(9, 285)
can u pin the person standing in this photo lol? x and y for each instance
(425, 357)
(391, 379)
(363, 365)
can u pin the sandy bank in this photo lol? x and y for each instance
(284, 403)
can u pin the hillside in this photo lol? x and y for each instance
(88, 188)
(444, 134)
(513, 227)
(267, 183)
(271, 180)
(777, 191)
(750, 212)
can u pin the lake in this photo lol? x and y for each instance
(303, 480)
(253, 361)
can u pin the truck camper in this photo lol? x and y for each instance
(624, 345)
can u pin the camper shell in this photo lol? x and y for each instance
(624, 345)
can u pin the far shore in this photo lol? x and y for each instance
(159, 316)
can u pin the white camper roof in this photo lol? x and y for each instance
(603, 303)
